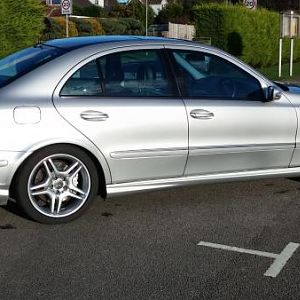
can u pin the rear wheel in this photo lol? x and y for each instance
(56, 184)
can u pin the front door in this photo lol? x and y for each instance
(231, 127)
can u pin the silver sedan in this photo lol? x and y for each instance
(89, 116)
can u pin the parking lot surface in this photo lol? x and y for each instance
(145, 246)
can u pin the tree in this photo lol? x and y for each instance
(89, 11)
(122, 26)
(280, 5)
(138, 11)
(175, 13)
(134, 9)
(119, 11)
(21, 23)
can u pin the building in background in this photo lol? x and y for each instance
(53, 2)
(97, 2)
(81, 3)
(157, 5)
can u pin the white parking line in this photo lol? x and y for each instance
(281, 260)
(278, 264)
(235, 249)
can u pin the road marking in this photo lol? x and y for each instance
(278, 264)
(281, 260)
(241, 250)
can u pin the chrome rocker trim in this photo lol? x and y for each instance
(158, 184)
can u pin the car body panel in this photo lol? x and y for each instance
(229, 139)
(233, 141)
(159, 184)
(148, 137)
(295, 100)
(148, 151)
(141, 145)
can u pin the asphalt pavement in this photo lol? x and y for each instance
(145, 246)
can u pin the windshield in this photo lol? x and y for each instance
(24, 61)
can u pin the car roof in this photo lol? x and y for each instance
(79, 42)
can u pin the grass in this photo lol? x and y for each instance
(272, 72)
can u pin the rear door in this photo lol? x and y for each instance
(231, 127)
(126, 103)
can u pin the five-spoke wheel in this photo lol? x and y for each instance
(56, 184)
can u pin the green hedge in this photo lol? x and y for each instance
(53, 29)
(123, 26)
(21, 23)
(88, 26)
(56, 27)
(251, 35)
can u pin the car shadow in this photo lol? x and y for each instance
(13, 208)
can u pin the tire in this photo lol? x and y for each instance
(56, 184)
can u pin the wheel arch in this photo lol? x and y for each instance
(102, 178)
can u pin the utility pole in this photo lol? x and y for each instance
(147, 17)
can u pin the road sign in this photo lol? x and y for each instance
(290, 24)
(66, 7)
(251, 4)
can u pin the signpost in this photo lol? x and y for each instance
(66, 9)
(251, 4)
(289, 27)
(146, 25)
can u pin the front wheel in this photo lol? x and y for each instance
(56, 184)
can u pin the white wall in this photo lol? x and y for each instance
(98, 2)
(158, 7)
(181, 31)
(53, 2)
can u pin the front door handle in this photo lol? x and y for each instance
(201, 114)
(93, 115)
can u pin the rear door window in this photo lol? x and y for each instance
(85, 82)
(141, 73)
(135, 74)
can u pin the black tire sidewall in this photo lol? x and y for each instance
(21, 192)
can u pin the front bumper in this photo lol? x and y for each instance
(9, 163)
(4, 194)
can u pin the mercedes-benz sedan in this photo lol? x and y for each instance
(89, 116)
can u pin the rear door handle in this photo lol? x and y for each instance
(93, 115)
(201, 114)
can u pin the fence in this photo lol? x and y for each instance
(181, 31)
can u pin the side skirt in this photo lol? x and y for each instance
(158, 184)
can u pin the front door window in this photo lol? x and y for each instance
(204, 75)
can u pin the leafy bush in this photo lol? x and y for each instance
(52, 30)
(72, 26)
(21, 22)
(89, 11)
(97, 28)
(83, 27)
(55, 27)
(123, 26)
(251, 35)
(173, 12)
(134, 9)
(137, 10)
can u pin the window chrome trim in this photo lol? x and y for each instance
(214, 51)
(150, 47)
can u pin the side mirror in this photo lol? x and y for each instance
(272, 93)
